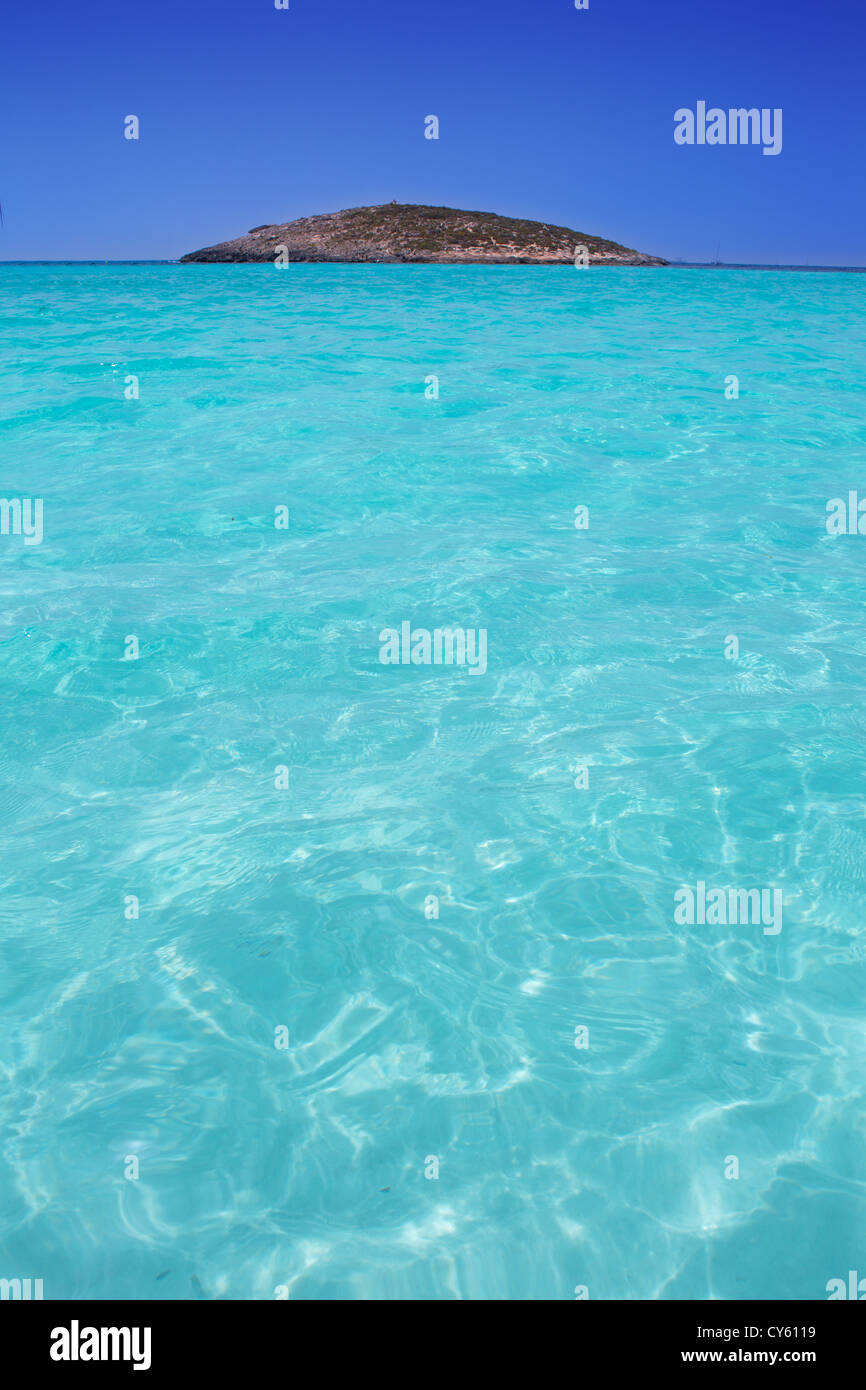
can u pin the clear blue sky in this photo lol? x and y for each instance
(249, 115)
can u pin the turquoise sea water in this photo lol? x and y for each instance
(413, 1037)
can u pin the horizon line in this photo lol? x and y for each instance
(680, 265)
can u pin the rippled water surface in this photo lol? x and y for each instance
(412, 1037)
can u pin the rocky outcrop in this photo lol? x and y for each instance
(413, 233)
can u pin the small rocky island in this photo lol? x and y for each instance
(413, 233)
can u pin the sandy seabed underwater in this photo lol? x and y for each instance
(151, 1043)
